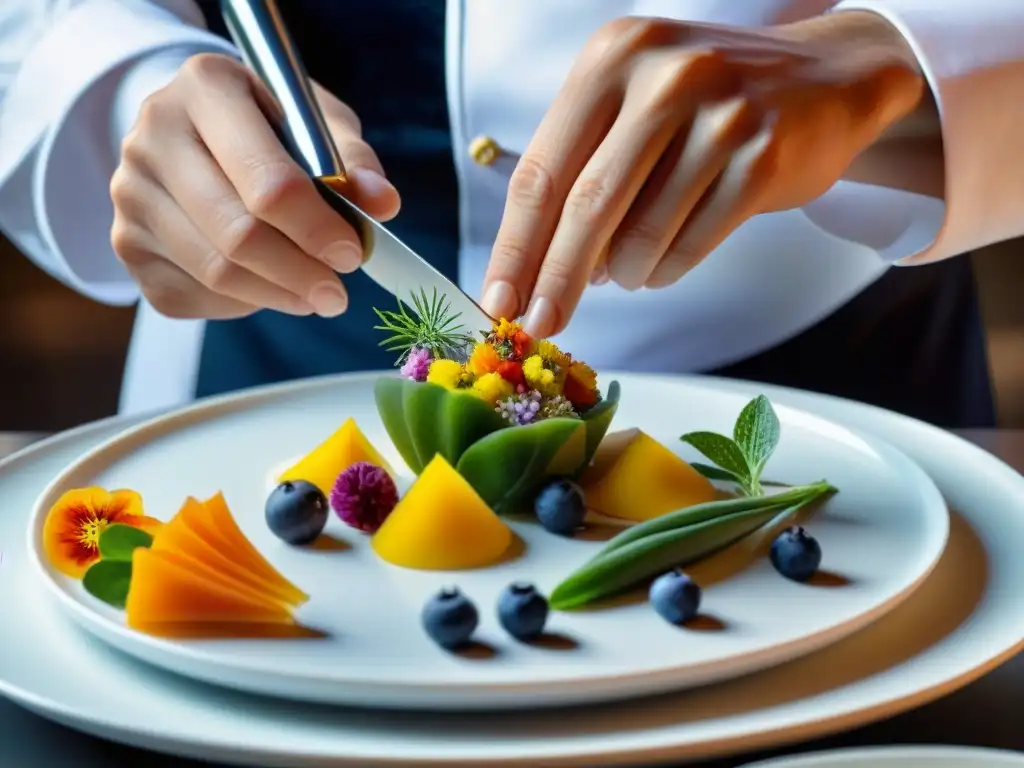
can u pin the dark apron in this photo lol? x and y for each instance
(913, 342)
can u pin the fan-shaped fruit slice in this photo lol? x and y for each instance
(442, 524)
(179, 538)
(634, 477)
(321, 466)
(170, 589)
(213, 522)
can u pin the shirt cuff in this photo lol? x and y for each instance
(972, 55)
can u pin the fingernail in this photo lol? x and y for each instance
(600, 275)
(328, 299)
(342, 257)
(540, 318)
(371, 182)
(500, 301)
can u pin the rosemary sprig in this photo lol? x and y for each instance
(430, 325)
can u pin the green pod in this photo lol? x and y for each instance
(644, 558)
(424, 419)
(698, 513)
(598, 419)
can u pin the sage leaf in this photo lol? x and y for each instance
(757, 433)
(721, 451)
(118, 541)
(715, 473)
(108, 580)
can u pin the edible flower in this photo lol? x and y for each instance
(71, 532)
(522, 409)
(558, 407)
(363, 496)
(417, 364)
(445, 373)
(580, 386)
(512, 372)
(491, 388)
(483, 360)
(541, 377)
(551, 354)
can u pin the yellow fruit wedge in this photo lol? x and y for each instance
(634, 477)
(323, 464)
(442, 524)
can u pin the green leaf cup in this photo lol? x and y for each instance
(506, 465)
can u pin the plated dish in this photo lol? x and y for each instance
(483, 501)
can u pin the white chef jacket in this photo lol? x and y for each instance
(74, 72)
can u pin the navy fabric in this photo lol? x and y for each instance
(913, 342)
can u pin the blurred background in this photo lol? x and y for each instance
(61, 355)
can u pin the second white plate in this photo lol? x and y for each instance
(881, 535)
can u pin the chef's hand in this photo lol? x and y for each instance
(213, 219)
(667, 136)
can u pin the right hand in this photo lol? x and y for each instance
(212, 217)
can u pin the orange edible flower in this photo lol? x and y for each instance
(483, 360)
(71, 533)
(522, 344)
(580, 386)
(512, 372)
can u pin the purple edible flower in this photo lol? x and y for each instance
(417, 364)
(521, 409)
(363, 496)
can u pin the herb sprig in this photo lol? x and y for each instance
(430, 325)
(109, 578)
(741, 458)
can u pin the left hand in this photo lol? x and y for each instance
(667, 136)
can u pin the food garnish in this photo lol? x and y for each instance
(450, 619)
(431, 328)
(296, 512)
(363, 496)
(741, 458)
(345, 447)
(74, 524)
(796, 554)
(442, 524)
(561, 507)
(675, 597)
(522, 611)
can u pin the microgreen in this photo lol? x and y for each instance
(741, 458)
(429, 323)
(118, 541)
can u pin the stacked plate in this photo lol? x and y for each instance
(914, 600)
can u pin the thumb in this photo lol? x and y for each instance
(368, 186)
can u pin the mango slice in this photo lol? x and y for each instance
(179, 538)
(634, 477)
(442, 524)
(212, 521)
(170, 589)
(323, 464)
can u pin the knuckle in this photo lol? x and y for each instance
(217, 274)
(588, 199)
(124, 242)
(531, 186)
(509, 255)
(239, 237)
(273, 184)
(640, 239)
(203, 67)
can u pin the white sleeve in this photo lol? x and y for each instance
(972, 54)
(76, 74)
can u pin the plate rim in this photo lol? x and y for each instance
(871, 706)
(590, 688)
(820, 759)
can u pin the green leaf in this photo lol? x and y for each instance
(508, 467)
(722, 451)
(424, 419)
(598, 419)
(118, 541)
(108, 580)
(716, 473)
(757, 433)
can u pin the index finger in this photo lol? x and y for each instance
(274, 188)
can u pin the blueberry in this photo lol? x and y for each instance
(450, 618)
(796, 554)
(560, 507)
(296, 512)
(522, 611)
(676, 597)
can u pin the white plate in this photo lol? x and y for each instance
(881, 535)
(963, 621)
(900, 757)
